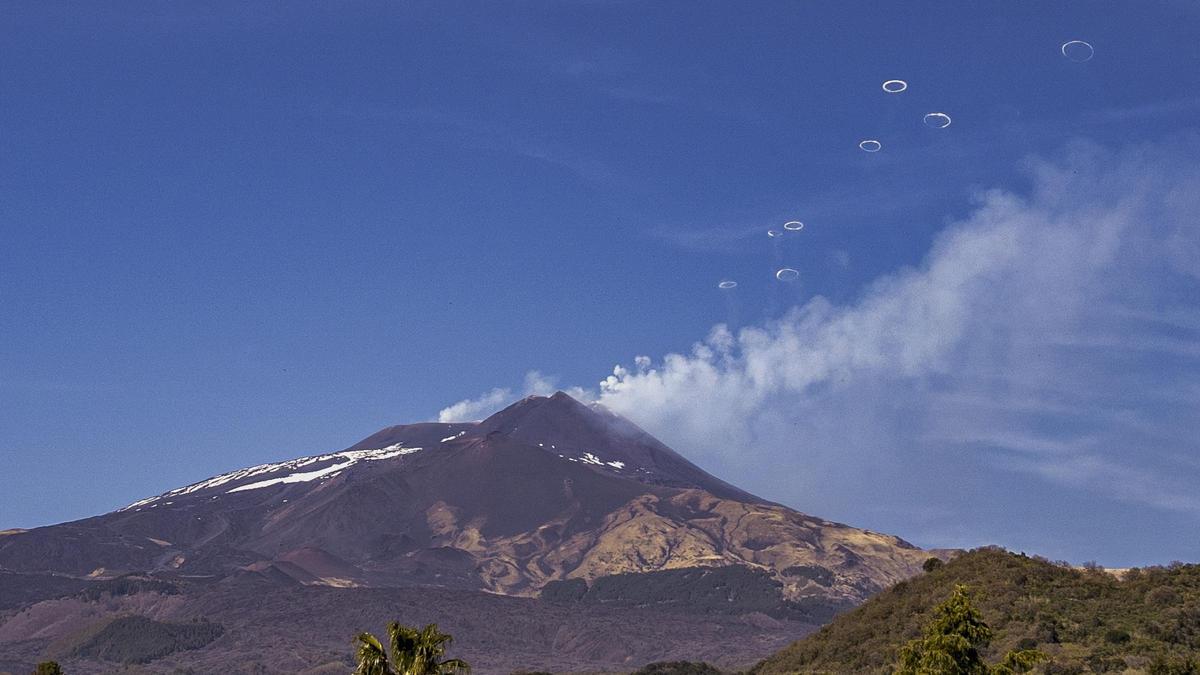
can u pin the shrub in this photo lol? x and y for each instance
(1162, 597)
(1063, 668)
(678, 668)
(1116, 636)
(1162, 665)
(815, 573)
(565, 590)
(1089, 622)
(137, 639)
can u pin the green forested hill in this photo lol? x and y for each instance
(1085, 620)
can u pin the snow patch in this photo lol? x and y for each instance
(594, 460)
(295, 477)
(450, 438)
(352, 457)
(348, 459)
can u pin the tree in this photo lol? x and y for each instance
(413, 652)
(1018, 661)
(954, 641)
(48, 668)
(1163, 666)
(678, 668)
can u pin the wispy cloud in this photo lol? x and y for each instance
(1178, 106)
(1050, 334)
(481, 133)
(1130, 483)
(706, 239)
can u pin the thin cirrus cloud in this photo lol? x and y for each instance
(707, 239)
(1048, 342)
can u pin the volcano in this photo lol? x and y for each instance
(567, 505)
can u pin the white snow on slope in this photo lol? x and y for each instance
(295, 477)
(349, 457)
(353, 457)
(450, 438)
(590, 458)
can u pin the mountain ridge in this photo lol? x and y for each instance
(557, 490)
(546, 491)
(1085, 620)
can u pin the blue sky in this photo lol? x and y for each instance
(241, 234)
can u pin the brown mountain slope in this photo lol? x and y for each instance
(548, 497)
(547, 489)
(309, 627)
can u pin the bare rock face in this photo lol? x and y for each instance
(549, 497)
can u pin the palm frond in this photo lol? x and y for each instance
(406, 644)
(413, 652)
(453, 666)
(372, 659)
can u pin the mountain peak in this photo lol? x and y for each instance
(559, 406)
(560, 418)
(562, 406)
(596, 435)
(541, 497)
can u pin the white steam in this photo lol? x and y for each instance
(1055, 335)
(473, 409)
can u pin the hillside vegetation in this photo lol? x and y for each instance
(137, 639)
(732, 589)
(1085, 620)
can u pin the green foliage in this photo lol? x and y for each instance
(565, 590)
(1018, 661)
(1026, 643)
(1083, 620)
(1117, 636)
(1163, 597)
(126, 585)
(48, 668)
(731, 589)
(1162, 665)
(821, 575)
(954, 641)
(1059, 668)
(678, 668)
(137, 639)
(932, 564)
(413, 652)
(372, 658)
